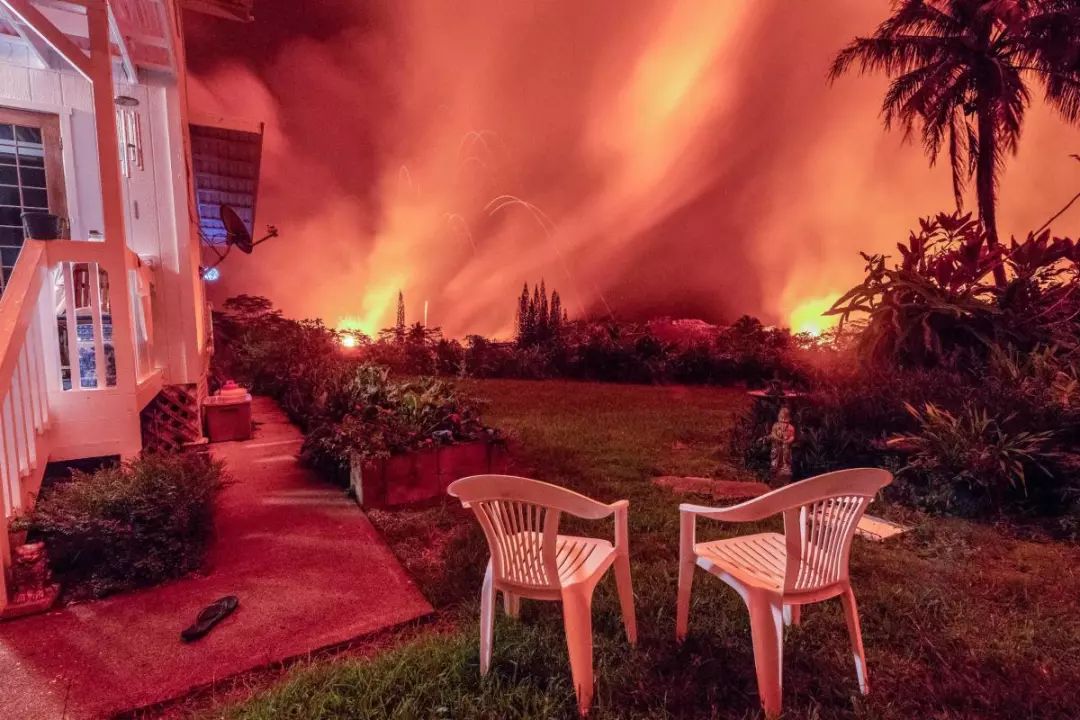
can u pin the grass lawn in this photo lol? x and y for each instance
(959, 619)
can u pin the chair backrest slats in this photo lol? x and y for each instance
(522, 538)
(520, 518)
(819, 536)
(820, 518)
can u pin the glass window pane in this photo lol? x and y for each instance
(10, 216)
(10, 195)
(11, 236)
(8, 256)
(28, 134)
(7, 154)
(31, 159)
(35, 198)
(32, 177)
(7, 132)
(9, 175)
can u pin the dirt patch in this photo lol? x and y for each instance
(717, 489)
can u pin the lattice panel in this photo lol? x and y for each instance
(172, 420)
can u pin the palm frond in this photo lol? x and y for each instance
(892, 54)
(919, 16)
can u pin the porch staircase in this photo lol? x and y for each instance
(24, 406)
(64, 393)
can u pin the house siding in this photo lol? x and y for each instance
(158, 207)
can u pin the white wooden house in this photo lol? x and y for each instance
(104, 337)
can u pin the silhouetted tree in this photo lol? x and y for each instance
(961, 69)
(534, 313)
(521, 325)
(399, 326)
(543, 329)
(555, 318)
(420, 334)
(539, 320)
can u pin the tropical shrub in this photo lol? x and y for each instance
(992, 368)
(484, 358)
(347, 405)
(1043, 383)
(374, 416)
(129, 525)
(850, 412)
(270, 354)
(449, 357)
(971, 459)
(940, 306)
(845, 416)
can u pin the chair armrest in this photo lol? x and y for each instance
(748, 511)
(621, 508)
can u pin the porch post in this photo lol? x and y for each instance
(117, 262)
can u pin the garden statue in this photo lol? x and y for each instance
(782, 437)
(31, 580)
(781, 434)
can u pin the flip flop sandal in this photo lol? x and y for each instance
(210, 616)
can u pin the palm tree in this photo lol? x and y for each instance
(961, 69)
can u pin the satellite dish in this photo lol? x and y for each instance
(236, 235)
(236, 232)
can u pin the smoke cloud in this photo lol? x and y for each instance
(645, 159)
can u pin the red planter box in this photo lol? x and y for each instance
(423, 475)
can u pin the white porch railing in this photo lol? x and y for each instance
(24, 407)
(60, 393)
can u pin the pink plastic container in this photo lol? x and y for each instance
(228, 414)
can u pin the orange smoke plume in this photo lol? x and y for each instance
(647, 158)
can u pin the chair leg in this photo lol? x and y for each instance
(682, 603)
(487, 619)
(767, 632)
(626, 597)
(792, 615)
(577, 619)
(851, 612)
(511, 604)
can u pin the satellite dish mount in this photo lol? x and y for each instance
(236, 235)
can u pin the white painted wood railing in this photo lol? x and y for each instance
(24, 406)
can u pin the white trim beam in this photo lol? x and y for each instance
(38, 47)
(115, 256)
(50, 34)
(121, 42)
(163, 10)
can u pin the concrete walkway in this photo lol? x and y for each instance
(308, 567)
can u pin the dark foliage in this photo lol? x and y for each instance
(369, 416)
(936, 306)
(969, 390)
(127, 526)
(348, 404)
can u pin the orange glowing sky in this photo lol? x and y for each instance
(682, 159)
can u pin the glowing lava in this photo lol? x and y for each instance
(808, 317)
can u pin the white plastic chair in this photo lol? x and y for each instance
(529, 559)
(776, 574)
